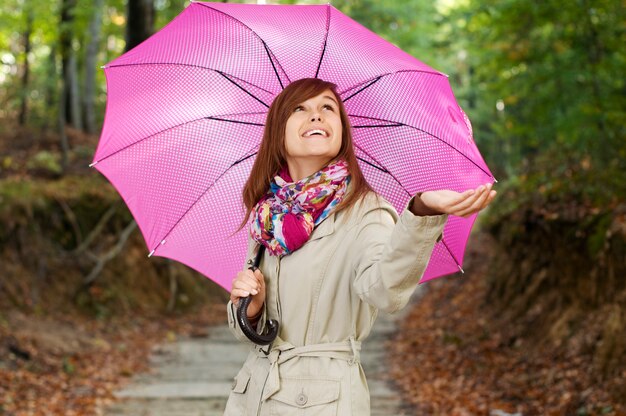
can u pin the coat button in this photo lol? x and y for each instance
(301, 399)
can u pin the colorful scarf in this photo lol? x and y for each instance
(285, 217)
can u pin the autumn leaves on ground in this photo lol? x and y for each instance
(71, 365)
(467, 360)
(529, 329)
(451, 357)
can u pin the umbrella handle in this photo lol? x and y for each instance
(242, 315)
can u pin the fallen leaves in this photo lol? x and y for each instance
(72, 365)
(450, 358)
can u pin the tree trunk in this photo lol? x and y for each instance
(51, 87)
(62, 134)
(76, 117)
(65, 44)
(90, 66)
(595, 48)
(140, 18)
(26, 72)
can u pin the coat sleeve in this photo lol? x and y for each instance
(234, 327)
(391, 253)
(231, 309)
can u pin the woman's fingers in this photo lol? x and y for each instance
(460, 204)
(444, 200)
(245, 284)
(258, 276)
(462, 197)
(459, 207)
(492, 194)
(478, 204)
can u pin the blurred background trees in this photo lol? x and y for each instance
(542, 82)
(534, 78)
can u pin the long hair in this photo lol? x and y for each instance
(272, 153)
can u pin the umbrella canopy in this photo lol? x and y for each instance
(186, 111)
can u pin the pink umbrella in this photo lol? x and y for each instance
(186, 111)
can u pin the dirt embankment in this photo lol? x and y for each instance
(537, 325)
(75, 322)
(80, 302)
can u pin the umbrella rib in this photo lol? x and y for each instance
(270, 54)
(371, 81)
(235, 121)
(379, 167)
(236, 162)
(176, 126)
(396, 124)
(243, 89)
(200, 197)
(377, 125)
(452, 255)
(319, 64)
(192, 66)
(267, 50)
(391, 123)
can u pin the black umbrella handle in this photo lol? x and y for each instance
(271, 326)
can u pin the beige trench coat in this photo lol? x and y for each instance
(326, 296)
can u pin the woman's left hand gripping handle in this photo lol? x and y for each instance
(248, 294)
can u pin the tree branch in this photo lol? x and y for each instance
(71, 217)
(96, 230)
(111, 254)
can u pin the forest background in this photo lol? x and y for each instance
(543, 84)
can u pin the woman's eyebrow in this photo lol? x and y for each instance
(325, 96)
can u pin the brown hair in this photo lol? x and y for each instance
(271, 155)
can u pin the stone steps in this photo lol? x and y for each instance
(193, 377)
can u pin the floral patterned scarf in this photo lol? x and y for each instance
(285, 217)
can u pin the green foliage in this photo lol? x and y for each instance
(411, 25)
(534, 77)
(557, 69)
(22, 200)
(13, 24)
(47, 161)
(45, 72)
(167, 10)
(68, 366)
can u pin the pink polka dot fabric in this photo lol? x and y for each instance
(186, 111)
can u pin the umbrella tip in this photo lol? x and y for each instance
(103, 66)
(152, 252)
(495, 180)
(461, 269)
(93, 164)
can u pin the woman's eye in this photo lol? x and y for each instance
(330, 107)
(298, 108)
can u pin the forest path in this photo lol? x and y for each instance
(193, 377)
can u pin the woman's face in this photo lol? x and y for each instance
(314, 130)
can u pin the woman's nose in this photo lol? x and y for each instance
(316, 117)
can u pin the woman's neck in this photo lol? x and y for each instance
(300, 169)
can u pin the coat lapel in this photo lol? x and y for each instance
(324, 228)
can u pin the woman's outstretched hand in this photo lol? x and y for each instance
(445, 201)
(249, 283)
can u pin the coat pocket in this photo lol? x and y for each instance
(306, 396)
(236, 404)
(241, 381)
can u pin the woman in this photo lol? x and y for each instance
(336, 253)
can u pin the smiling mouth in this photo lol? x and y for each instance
(320, 133)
